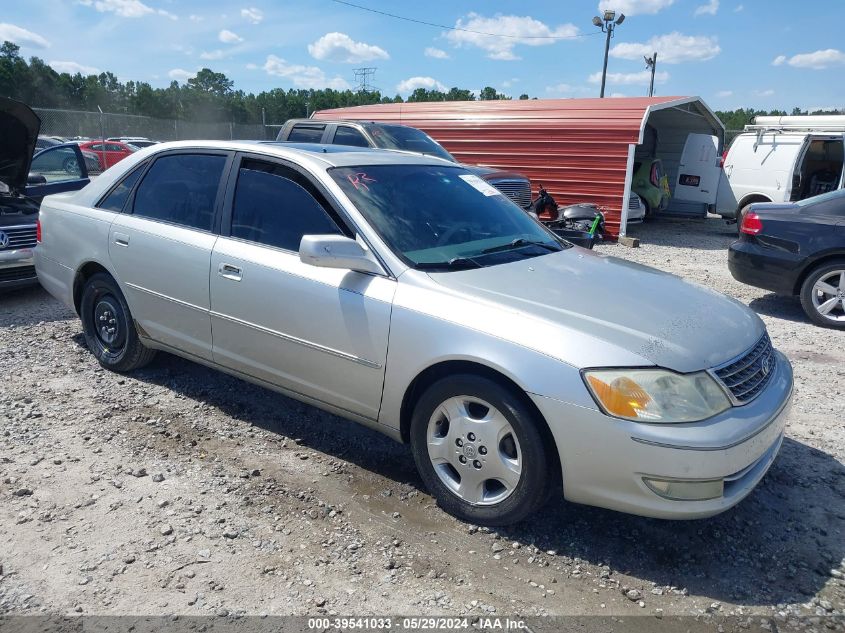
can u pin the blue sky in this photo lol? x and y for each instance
(733, 53)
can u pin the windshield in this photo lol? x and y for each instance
(443, 218)
(408, 139)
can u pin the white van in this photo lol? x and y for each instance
(782, 159)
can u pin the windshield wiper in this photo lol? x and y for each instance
(519, 243)
(456, 263)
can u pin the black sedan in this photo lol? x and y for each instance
(796, 248)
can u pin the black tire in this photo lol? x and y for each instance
(71, 165)
(103, 306)
(539, 470)
(647, 216)
(807, 294)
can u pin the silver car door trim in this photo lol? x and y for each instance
(167, 298)
(293, 339)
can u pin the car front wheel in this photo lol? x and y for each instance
(108, 326)
(823, 295)
(480, 451)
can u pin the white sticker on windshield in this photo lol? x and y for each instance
(483, 186)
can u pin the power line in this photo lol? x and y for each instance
(457, 28)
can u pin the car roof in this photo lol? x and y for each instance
(316, 154)
(361, 122)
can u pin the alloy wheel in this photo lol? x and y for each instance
(829, 296)
(474, 450)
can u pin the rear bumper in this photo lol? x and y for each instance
(17, 268)
(605, 460)
(763, 267)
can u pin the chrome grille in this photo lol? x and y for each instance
(18, 236)
(517, 190)
(634, 201)
(748, 375)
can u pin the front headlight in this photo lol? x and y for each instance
(656, 395)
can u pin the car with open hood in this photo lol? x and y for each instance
(26, 176)
(404, 292)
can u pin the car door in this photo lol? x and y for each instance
(699, 170)
(318, 332)
(55, 170)
(161, 247)
(117, 152)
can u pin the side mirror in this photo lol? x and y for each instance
(337, 251)
(35, 179)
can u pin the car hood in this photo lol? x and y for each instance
(19, 127)
(656, 316)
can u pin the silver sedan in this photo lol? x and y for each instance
(407, 294)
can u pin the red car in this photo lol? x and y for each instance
(110, 152)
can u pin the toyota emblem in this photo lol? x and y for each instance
(4, 240)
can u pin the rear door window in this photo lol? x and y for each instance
(306, 133)
(346, 135)
(275, 205)
(181, 189)
(116, 198)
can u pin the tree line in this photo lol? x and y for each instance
(211, 96)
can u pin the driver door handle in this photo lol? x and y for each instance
(121, 239)
(228, 271)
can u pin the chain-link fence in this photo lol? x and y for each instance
(78, 123)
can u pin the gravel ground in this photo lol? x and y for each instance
(179, 490)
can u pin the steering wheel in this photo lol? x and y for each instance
(460, 226)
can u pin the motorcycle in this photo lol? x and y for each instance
(581, 223)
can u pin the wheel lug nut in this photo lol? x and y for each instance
(476, 463)
(459, 442)
(462, 459)
(471, 437)
(482, 450)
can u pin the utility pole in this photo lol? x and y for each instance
(651, 62)
(607, 23)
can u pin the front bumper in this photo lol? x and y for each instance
(604, 460)
(17, 268)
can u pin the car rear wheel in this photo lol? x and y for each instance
(480, 452)
(71, 165)
(823, 295)
(108, 326)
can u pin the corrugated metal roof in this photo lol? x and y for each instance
(576, 148)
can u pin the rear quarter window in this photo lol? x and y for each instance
(306, 133)
(116, 199)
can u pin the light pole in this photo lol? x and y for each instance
(651, 62)
(607, 24)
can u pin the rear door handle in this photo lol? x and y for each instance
(121, 239)
(228, 271)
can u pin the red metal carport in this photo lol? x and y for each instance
(578, 149)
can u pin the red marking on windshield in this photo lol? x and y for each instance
(360, 180)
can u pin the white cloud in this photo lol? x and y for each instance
(227, 37)
(195, 18)
(436, 53)
(167, 14)
(779, 60)
(123, 8)
(339, 47)
(628, 79)
(73, 68)
(764, 93)
(521, 29)
(21, 37)
(302, 76)
(725, 93)
(252, 14)
(180, 74)
(215, 54)
(818, 60)
(634, 7)
(711, 8)
(251, 66)
(618, 95)
(412, 83)
(739, 7)
(559, 89)
(673, 48)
